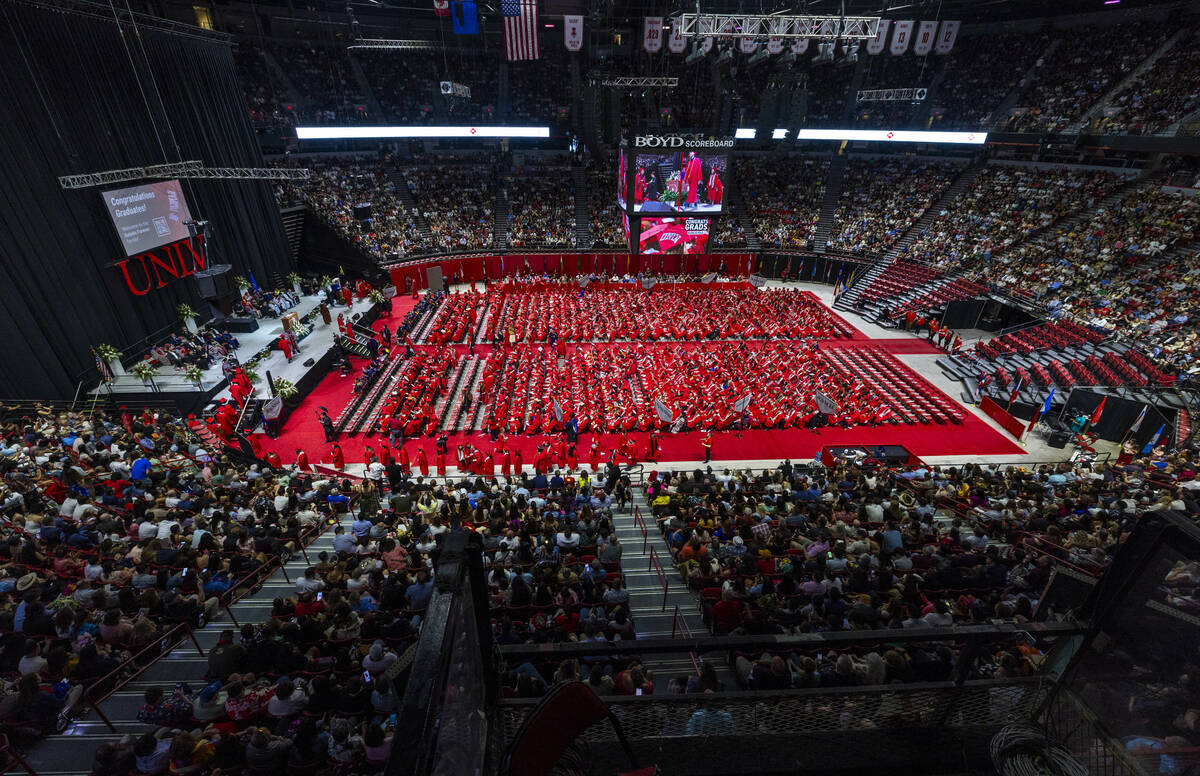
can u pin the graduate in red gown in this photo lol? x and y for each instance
(715, 187)
(489, 465)
(422, 462)
(572, 459)
(518, 463)
(403, 458)
(369, 454)
(302, 461)
(441, 464)
(594, 455)
(286, 346)
(652, 447)
(347, 294)
(339, 458)
(506, 464)
(692, 174)
(226, 419)
(385, 454)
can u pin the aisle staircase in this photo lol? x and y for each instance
(583, 220)
(500, 219)
(1000, 114)
(70, 753)
(733, 190)
(846, 299)
(405, 195)
(1147, 63)
(960, 184)
(829, 203)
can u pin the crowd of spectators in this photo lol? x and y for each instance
(980, 72)
(265, 93)
(324, 80)
(782, 197)
(456, 196)
(1129, 268)
(607, 225)
(539, 92)
(1004, 204)
(863, 546)
(1088, 61)
(541, 206)
(335, 186)
(115, 532)
(1164, 93)
(882, 198)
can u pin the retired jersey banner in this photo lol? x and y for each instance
(748, 45)
(573, 32)
(926, 33)
(677, 44)
(799, 46)
(901, 36)
(441, 7)
(875, 45)
(946, 37)
(774, 45)
(652, 34)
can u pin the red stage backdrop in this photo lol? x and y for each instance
(479, 268)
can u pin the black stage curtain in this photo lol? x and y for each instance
(72, 104)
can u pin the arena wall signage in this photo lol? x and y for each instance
(373, 133)
(152, 270)
(680, 141)
(452, 89)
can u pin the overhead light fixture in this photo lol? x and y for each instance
(372, 133)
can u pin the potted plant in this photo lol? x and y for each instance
(187, 315)
(285, 389)
(242, 283)
(193, 374)
(376, 296)
(294, 279)
(326, 282)
(111, 356)
(145, 371)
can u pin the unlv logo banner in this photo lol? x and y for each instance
(875, 45)
(901, 35)
(652, 34)
(677, 44)
(573, 32)
(946, 37)
(925, 35)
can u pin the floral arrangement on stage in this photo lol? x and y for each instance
(376, 296)
(242, 283)
(292, 278)
(144, 370)
(300, 330)
(193, 374)
(250, 372)
(107, 353)
(285, 389)
(326, 282)
(184, 311)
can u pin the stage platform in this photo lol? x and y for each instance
(976, 439)
(171, 380)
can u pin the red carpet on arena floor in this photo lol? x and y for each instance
(972, 437)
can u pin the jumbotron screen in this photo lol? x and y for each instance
(680, 182)
(673, 235)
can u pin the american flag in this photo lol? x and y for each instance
(520, 29)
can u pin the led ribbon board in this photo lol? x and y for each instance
(880, 135)
(372, 133)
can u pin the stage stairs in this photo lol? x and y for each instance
(847, 298)
(829, 203)
(353, 347)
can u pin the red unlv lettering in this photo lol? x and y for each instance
(154, 269)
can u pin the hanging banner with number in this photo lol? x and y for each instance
(926, 33)
(799, 46)
(875, 45)
(573, 32)
(748, 45)
(677, 44)
(652, 34)
(946, 37)
(901, 34)
(774, 45)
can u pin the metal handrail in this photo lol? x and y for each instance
(679, 624)
(657, 567)
(640, 522)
